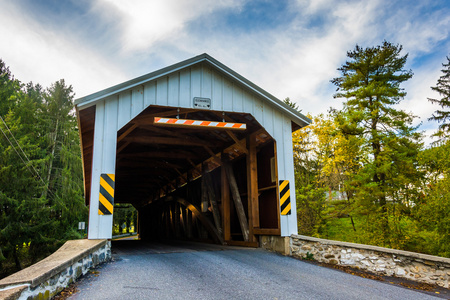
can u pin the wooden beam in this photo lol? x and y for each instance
(189, 223)
(252, 187)
(226, 210)
(237, 200)
(222, 116)
(267, 231)
(145, 162)
(177, 219)
(215, 157)
(151, 140)
(121, 148)
(204, 193)
(167, 217)
(277, 185)
(127, 132)
(213, 201)
(162, 131)
(178, 154)
(203, 219)
(219, 136)
(192, 163)
(237, 141)
(146, 172)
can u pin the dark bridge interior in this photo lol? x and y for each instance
(195, 183)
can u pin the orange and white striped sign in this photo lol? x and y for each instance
(199, 123)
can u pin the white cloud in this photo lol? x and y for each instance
(296, 59)
(146, 22)
(417, 29)
(418, 89)
(37, 54)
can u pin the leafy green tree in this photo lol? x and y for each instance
(41, 183)
(310, 191)
(341, 159)
(124, 214)
(370, 84)
(430, 232)
(443, 88)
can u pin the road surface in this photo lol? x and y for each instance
(202, 271)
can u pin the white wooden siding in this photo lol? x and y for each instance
(178, 90)
(103, 161)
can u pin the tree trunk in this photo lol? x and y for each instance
(16, 259)
(44, 194)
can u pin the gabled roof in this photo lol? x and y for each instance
(295, 115)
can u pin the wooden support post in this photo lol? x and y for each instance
(212, 199)
(277, 185)
(177, 219)
(226, 214)
(204, 203)
(199, 228)
(252, 187)
(189, 223)
(207, 225)
(167, 213)
(237, 199)
(183, 223)
(138, 225)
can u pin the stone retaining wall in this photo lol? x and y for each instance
(383, 261)
(50, 276)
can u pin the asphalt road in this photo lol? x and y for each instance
(202, 271)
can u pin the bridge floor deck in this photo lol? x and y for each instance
(202, 271)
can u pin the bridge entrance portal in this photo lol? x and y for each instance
(199, 150)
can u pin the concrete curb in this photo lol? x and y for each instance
(424, 268)
(375, 248)
(38, 274)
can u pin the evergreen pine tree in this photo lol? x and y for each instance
(370, 83)
(443, 88)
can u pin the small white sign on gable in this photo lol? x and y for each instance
(202, 103)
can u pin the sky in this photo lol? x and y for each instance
(290, 48)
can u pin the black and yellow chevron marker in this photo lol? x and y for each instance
(106, 198)
(285, 197)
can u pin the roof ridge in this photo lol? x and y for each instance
(89, 99)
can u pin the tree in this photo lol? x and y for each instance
(63, 168)
(341, 159)
(431, 231)
(291, 104)
(443, 114)
(124, 214)
(8, 89)
(309, 187)
(41, 181)
(25, 214)
(370, 84)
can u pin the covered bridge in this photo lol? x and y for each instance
(200, 151)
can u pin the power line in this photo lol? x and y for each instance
(26, 165)
(37, 173)
(15, 149)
